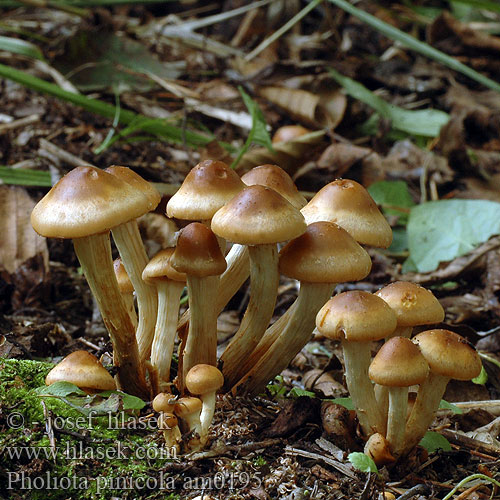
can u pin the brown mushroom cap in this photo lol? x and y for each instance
(356, 315)
(124, 283)
(87, 201)
(275, 178)
(83, 370)
(449, 354)
(325, 253)
(206, 188)
(289, 133)
(197, 252)
(160, 269)
(349, 205)
(258, 215)
(413, 304)
(204, 378)
(398, 363)
(187, 406)
(164, 401)
(135, 180)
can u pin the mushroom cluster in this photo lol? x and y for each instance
(272, 231)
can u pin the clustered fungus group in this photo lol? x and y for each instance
(321, 246)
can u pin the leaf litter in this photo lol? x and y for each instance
(423, 138)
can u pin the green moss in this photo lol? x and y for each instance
(94, 458)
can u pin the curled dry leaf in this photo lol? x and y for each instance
(19, 240)
(322, 109)
(288, 155)
(317, 380)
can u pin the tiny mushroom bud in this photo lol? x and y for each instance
(398, 365)
(168, 423)
(289, 133)
(357, 318)
(205, 381)
(164, 401)
(377, 448)
(449, 356)
(83, 370)
(188, 409)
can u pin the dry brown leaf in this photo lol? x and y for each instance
(288, 155)
(317, 380)
(319, 109)
(19, 240)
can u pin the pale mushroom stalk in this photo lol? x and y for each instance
(396, 417)
(169, 294)
(357, 358)
(264, 280)
(429, 396)
(207, 414)
(129, 243)
(94, 254)
(297, 332)
(201, 344)
(231, 280)
(167, 423)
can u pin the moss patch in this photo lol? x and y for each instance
(115, 455)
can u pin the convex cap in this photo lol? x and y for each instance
(349, 205)
(87, 201)
(277, 179)
(160, 269)
(325, 253)
(197, 252)
(258, 215)
(357, 316)
(449, 354)
(413, 304)
(204, 378)
(187, 406)
(206, 188)
(398, 363)
(82, 369)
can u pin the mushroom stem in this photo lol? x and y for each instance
(169, 294)
(294, 336)
(129, 300)
(396, 418)
(429, 396)
(357, 358)
(201, 344)
(94, 254)
(129, 243)
(264, 279)
(231, 280)
(207, 414)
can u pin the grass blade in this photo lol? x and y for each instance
(416, 45)
(18, 46)
(24, 177)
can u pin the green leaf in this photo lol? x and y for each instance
(362, 462)
(258, 134)
(399, 241)
(440, 231)
(444, 405)
(345, 402)
(24, 177)
(424, 122)
(129, 402)
(390, 195)
(18, 46)
(482, 378)
(480, 4)
(296, 392)
(433, 441)
(59, 389)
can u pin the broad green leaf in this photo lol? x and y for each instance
(362, 462)
(482, 378)
(296, 392)
(444, 405)
(24, 177)
(345, 402)
(440, 231)
(59, 389)
(425, 122)
(18, 46)
(391, 195)
(399, 241)
(433, 441)
(129, 402)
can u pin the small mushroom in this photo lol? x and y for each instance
(378, 449)
(83, 370)
(188, 409)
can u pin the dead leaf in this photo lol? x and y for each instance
(316, 380)
(19, 240)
